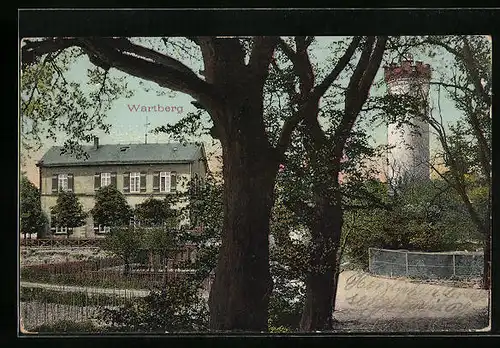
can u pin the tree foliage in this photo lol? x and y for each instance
(68, 211)
(111, 207)
(175, 308)
(126, 243)
(206, 217)
(53, 103)
(428, 217)
(33, 220)
(156, 212)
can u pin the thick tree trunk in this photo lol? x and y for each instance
(321, 281)
(239, 296)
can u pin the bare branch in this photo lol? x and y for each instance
(341, 64)
(364, 60)
(286, 132)
(117, 53)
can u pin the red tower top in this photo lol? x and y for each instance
(406, 70)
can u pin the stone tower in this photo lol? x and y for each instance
(408, 156)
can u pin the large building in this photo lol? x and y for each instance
(408, 155)
(138, 170)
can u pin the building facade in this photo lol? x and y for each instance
(408, 154)
(139, 171)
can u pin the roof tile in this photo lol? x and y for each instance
(126, 153)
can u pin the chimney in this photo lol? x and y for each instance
(96, 143)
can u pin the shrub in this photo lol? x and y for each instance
(68, 327)
(279, 329)
(176, 308)
(428, 217)
(81, 299)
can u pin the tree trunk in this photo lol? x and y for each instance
(126, 268)
(321, 281)
(240, 292)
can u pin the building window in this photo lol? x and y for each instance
(134, 221)
(101, 229)
(62, 182)
(164, 181)
(61, 230)
(135, 182)
(105, 179)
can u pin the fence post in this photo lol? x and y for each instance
(370, 260)
(406, 259)
(454, 265)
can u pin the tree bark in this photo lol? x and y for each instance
(321, 280)
(239, 296)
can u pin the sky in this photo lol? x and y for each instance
(129, 126)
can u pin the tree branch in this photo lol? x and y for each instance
(301, 64)
(261, 56)
(32, 51)
(357, 91)
(321, 89)
(150, 65)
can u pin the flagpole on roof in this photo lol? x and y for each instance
(146, 132)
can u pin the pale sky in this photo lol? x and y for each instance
(129, 127)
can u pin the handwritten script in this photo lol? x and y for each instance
(373, 295)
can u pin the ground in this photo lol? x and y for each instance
(369, 303)
(364, 302)
(34, 256)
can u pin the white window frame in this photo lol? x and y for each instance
(105, 179)
(134, 222)
(61, 230)
(135, 182)
(165, 178)
(62, 182)
(104, 229)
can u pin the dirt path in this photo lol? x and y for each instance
(369, 301)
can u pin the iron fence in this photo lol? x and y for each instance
(426, 265)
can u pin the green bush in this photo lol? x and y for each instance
(176, 308)
(429, 218)
(66, 326)
(68, 298)
(279, 329)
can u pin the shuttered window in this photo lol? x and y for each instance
(62, 182)
(126, 182)
(173, 181)
(104, 179)
(113, 179)
(156, 181)
(97, 181)
(55, 183)
(143, 182)
(71, 181)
